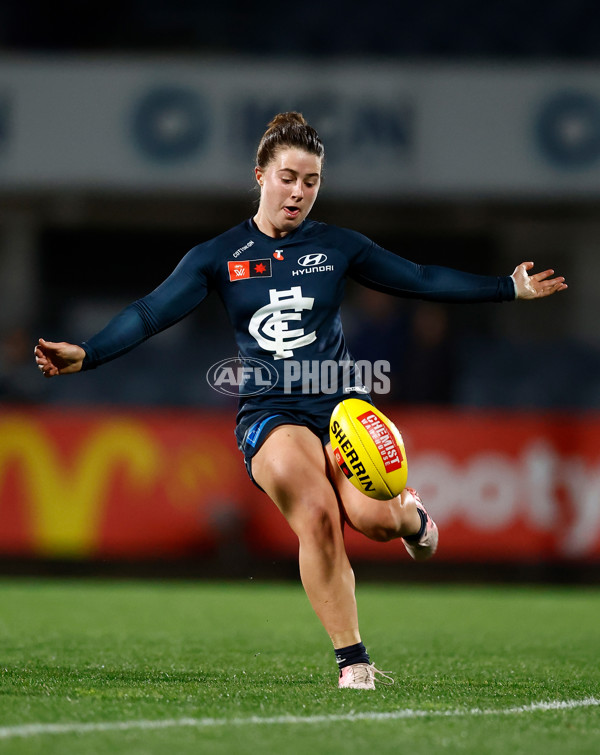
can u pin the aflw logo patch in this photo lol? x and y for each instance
(239, 271)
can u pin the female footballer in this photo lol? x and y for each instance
(281, 278)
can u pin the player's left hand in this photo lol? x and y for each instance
(58, 358)
(538, 285)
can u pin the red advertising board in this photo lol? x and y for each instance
(503, 487)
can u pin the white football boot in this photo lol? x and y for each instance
(361, 676)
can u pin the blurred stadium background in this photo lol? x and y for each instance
(461, 133)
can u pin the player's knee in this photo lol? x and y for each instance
(310, 509)
(317, 521)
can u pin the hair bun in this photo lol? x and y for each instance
(288, 130)
(287, 119)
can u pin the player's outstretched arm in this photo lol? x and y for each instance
(58, 358)
(538, 285)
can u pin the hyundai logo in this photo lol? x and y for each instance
(312, 259)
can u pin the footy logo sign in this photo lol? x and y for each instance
(243, 270)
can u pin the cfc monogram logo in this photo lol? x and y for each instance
(270, 325)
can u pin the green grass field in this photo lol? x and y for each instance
(161, 667)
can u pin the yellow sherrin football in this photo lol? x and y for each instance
(368, 449)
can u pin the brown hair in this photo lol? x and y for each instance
(288, 130)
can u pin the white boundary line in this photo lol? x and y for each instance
(34, 730)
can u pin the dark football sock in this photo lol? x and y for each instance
(350, 655)
(416, 537)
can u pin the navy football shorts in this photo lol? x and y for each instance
(256, 420)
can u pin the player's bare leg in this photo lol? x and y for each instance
(378, 520)
(386, 520)
(291, 468)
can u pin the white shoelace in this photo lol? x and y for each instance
(363, 673)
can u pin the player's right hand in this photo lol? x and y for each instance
(58, 358)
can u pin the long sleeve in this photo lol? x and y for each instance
(387, 272)
(175, 298)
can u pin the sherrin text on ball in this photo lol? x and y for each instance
(368, 449)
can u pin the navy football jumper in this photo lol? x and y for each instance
(283, 298)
